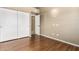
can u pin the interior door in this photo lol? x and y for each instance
(37, 24)
(23, 24)
(8, 24)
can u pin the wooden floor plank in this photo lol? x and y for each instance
(36, 43)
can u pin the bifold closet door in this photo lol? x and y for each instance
(8, 24)
(23, 24)
(13, 24)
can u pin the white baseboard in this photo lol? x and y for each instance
(60, 40)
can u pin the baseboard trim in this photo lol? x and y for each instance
(60, 40)
(15, 39)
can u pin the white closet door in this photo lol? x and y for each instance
(8, 24)
(23, 24)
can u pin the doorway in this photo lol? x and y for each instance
(35, 24)
(32, 25)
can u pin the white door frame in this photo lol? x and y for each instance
(36, 31)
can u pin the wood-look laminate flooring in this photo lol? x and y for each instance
(36, 43)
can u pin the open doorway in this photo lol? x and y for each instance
(32, 25)
(35, 24)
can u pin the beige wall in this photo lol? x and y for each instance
(61, 23)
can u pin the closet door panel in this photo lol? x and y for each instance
(8, 19)
(23, 24)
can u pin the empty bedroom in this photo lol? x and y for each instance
(39, 29)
